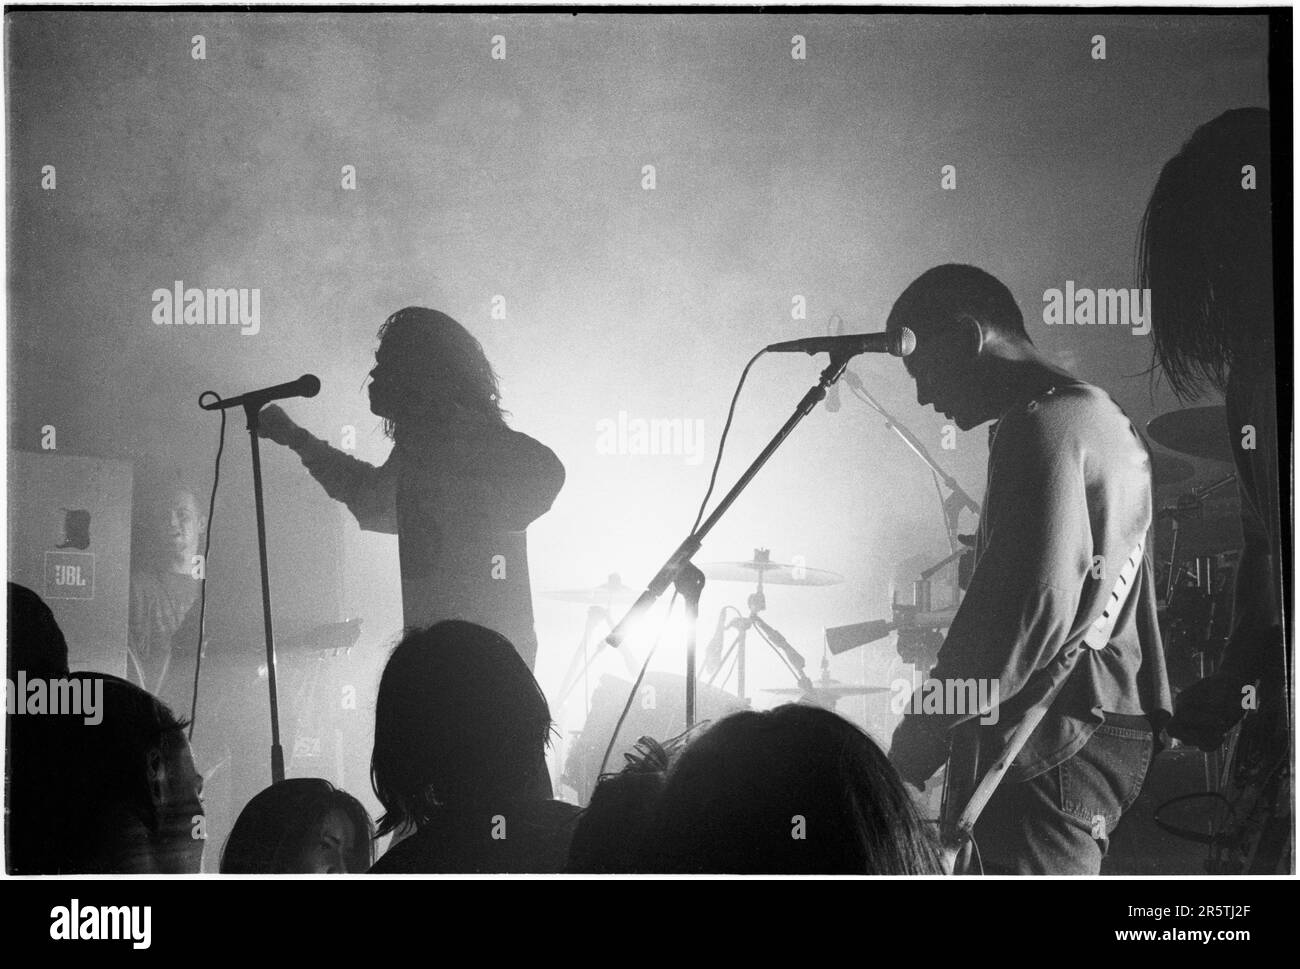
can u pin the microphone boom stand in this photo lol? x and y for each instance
(681, 571)
(253, 409)
(957, 500)
(253, 405)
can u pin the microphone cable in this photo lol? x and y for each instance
(722, 441)
(207, 545)
(699, 516)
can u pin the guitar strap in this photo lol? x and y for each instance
(958, 838)
(1098, 634)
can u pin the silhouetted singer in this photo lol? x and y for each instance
(459, 487)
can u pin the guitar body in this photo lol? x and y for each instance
(971, 779)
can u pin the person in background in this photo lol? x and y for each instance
(461, 730)
(459, 487)
(303, 825)
(1206, 253)
(167, 532)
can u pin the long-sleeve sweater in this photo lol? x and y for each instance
(459, 498)
(1068, 499)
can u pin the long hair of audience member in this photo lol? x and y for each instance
(459, 721)
(280, 832)
(795, 790)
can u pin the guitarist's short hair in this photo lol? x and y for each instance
(942, 295)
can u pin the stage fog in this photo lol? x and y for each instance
(623, 210)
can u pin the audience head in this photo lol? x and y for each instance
(36, 643)
(426, 366)
(300, 826)
(795, 790)
(113, 793)
(459, 721)
(610, 831)
(1205, 251)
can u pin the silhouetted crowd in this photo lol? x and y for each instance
(461, 731)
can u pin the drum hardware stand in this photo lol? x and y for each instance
(1202, 572)
(578, 671)
(788, 655)
(582, 659)
(1187, 505)
(957, 500)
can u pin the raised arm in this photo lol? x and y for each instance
(368, 491)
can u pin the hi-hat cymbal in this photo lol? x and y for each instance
(611, 592)
(773, 573)
(1201, 432)
(1167, 469)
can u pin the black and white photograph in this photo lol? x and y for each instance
(616, 443)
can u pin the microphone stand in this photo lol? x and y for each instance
(252, 409)
(958, 500)
(923, 651)
(680, 571)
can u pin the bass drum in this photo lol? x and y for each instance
(657, 711)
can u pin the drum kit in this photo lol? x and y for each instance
(724, 663)
(722, 660)
(1198, 540)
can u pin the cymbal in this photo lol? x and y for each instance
(773, 573)
(1167, 469)
(834, 688)
(1201, 432)
(612, 591)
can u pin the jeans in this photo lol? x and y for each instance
(1059, 823)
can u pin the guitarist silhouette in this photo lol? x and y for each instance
(1066, 510)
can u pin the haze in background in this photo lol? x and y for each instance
(522, 179)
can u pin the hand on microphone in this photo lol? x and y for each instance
(275, 424)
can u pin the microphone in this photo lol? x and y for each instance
(897, 343)
(836, 328)
(308, 385)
